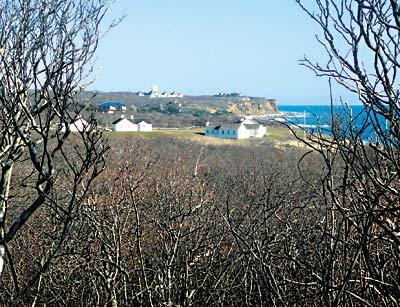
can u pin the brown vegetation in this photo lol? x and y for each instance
(175, 222)
(170, 221)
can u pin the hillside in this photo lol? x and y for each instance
(188, 111)
(188, 104)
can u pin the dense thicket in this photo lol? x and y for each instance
(170, 221)
(175, 222)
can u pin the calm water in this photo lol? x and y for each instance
(320, 118)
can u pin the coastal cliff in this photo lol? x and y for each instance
(257, 106)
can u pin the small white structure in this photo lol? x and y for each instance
(112, 106)
(145, 127)
(154, 93)
(245, 128)
(125, 124)
(80, 125)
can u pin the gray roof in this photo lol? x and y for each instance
(213, 127)
(224, 126)
(230, 126)
(252, 126)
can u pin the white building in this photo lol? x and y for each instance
(112, 106)
(78, 125)
(154, 93)
(245, 128)
(144, 126)
(125, 125)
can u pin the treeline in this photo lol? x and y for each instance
(172, 222)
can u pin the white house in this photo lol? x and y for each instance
(243, 129)
(144, 126)
(125, 124)
(78, 125)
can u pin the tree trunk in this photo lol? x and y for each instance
(4, 192)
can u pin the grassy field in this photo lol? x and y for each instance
(275, 134)
(279, 133)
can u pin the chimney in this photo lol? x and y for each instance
(122, 116)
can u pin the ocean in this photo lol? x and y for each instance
(319, 118)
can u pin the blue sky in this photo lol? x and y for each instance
(207, 46)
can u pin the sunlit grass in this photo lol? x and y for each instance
(278, 133)
(188, 133)
(196, 134)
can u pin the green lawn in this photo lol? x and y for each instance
(278, 133)
(274, 134)
(157, 133)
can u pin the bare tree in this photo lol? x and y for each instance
(361, 184)
(46, 49)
